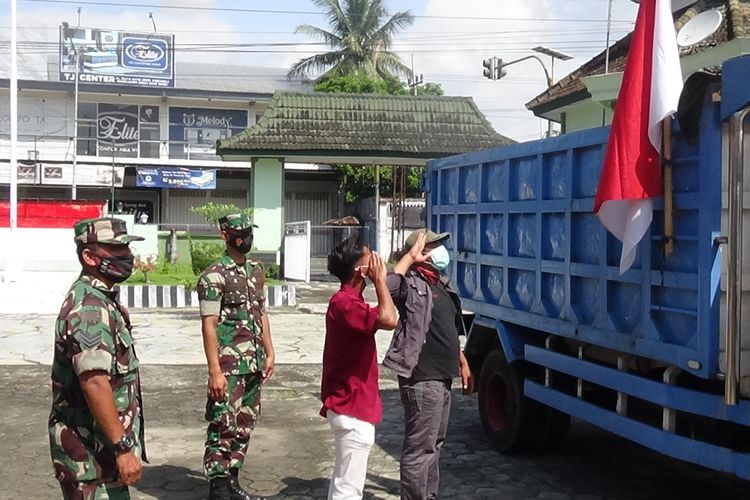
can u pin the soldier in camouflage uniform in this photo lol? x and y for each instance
(240, 355)
(96, 422)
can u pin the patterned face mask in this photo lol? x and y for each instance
(439, 258)
(242, 241)
(116, 269)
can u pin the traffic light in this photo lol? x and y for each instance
(490, 68)
(499, 70)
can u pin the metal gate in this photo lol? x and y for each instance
(297, 251)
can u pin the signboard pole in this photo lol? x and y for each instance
(113, 180)
(74, 193)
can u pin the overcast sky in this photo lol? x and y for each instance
(448, 40)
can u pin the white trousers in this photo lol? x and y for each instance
(353, 439)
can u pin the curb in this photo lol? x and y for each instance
(177, 296)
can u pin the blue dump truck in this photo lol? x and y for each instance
(658, 354)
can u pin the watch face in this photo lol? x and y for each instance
(125, 443)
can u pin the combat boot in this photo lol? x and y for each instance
(237, 492)
(220, 489)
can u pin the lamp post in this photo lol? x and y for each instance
(554, 54)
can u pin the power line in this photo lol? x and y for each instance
(302, 12)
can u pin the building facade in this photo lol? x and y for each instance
(151, 151)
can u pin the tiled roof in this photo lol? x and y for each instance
(735, 24)
(366, 124)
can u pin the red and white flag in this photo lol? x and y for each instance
(650, 91)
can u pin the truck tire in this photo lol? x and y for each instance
(510, 420)
(554, 427)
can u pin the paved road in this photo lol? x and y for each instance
(291, 450)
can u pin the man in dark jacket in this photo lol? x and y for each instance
(425, 353)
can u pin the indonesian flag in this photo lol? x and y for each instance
(650, 91)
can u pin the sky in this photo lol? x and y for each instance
(448, 40)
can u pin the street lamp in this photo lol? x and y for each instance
(554, 54)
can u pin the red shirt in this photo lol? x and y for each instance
(350, 363)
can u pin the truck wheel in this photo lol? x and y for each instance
(510, 419)
(554, 427)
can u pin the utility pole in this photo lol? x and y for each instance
(74, 191)
(414, 81)
(609, 28)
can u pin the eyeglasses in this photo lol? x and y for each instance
(363, 267)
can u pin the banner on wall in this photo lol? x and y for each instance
(179, 178)
(116, 57)
(62, 175)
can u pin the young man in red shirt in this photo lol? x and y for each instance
(349, 386)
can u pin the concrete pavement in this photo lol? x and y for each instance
(291, 450)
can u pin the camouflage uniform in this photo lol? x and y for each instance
(93, 332)
(234, 293)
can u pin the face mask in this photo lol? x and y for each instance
(116, 269)
(439, 258)
(240, 241)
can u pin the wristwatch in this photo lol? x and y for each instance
(125, 444)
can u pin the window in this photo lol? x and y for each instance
(193, 132)
(120, 130)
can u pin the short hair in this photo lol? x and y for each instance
(341, 260)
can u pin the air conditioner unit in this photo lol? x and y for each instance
(107, 41)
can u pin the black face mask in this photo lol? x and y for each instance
(240, 241)
(116, 269)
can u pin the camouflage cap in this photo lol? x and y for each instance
(432, 237)
(112, 231)
(235, 221)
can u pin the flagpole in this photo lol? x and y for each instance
(10, 261)
(668, 186)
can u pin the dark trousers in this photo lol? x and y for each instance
(427, 406)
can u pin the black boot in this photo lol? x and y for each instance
(237, 492)
(220, 489)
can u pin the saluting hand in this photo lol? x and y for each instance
(416, 249)
(377, 270)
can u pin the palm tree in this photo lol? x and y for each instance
(359, 38)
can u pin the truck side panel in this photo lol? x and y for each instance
(528, 250)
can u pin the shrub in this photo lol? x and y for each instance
(147, 265)
(205, 254)
(272, 272)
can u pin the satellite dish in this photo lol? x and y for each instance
(699, 28)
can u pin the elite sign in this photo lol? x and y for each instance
(116, 57)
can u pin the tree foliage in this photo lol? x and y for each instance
(359, 182)
(359, 35)
(213, 211)
(359, 82)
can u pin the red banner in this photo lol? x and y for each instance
(51, 214)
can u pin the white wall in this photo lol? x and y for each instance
(46, 264)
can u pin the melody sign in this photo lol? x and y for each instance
(116, 57)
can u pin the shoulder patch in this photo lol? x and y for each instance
(89, 339)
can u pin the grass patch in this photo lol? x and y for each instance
(188, 279)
